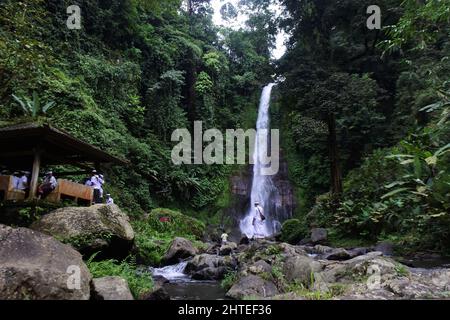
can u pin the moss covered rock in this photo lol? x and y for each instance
(100, 227)
(155, 233)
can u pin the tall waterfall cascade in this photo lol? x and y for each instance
(263, 189)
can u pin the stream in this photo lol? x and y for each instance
(180, 286)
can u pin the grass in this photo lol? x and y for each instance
(138, 281)
(301, 291)
(229, 279)
(401, 270)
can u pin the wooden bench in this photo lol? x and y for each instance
(7, 190)
(73, 191)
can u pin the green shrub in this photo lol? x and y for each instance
(153, 236)
(139, 282)
(229, 279)
(178, 224)
(292, 231)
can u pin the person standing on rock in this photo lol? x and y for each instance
(109, 200)
(224, 237)
(258, 221)
(96, 183)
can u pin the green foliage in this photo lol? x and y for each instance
(82, 241)
(136, 71)
(402, 190)
(229, 279)
(139, 281)
(178, 224)
(153, 235)
(292, 231)
(33, 108)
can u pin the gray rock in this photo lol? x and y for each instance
(252, 286)
(179, 249)
(244, 240)
(355, 252)
(386, 247)
(210, 267)
(260, 267)
(305, 241)
(159, 293)
(213, 248)
(227, 248)
(301, 269)
(380, 294)
(337, 254)
(441, 279)
(111, 288)
(319, 235)
(408, 289)
(322, 249)
(359, 267)
(210, 273)
(90, 229)
(160, 280)
(35, 266)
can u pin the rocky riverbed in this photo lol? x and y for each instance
(266, 269)
(36, 264)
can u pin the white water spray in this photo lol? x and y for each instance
(171, 273)
(262, 185)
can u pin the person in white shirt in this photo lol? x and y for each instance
(96, 183)
(224, 238)
(15, 180)
(22, 185)
(258, 221)
(109, 200)
(48, 185)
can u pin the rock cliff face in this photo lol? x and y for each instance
(282, 197)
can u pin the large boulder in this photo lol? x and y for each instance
(179, 249)
(36, 266)
(91, 229)
(159, 293)
(210, 267)
(227, 248)
(319, 235)
(252, 286)
(301, 269)
(386, 247)
(111, 288)
(337, 254)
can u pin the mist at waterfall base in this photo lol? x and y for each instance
(263, 189)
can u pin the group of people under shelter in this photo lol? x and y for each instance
(49, 183)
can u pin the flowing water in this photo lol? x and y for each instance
(263, 187)
(182, 287)
(172, 273)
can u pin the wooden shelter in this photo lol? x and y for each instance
(36, 145)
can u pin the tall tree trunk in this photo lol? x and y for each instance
(190, 7)
(191, 79)
(336, 179)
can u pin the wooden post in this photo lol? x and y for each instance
(35, 174)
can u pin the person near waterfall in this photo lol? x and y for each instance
(258, 221)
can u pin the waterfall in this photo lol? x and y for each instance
(262, 185)
(173, 272)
